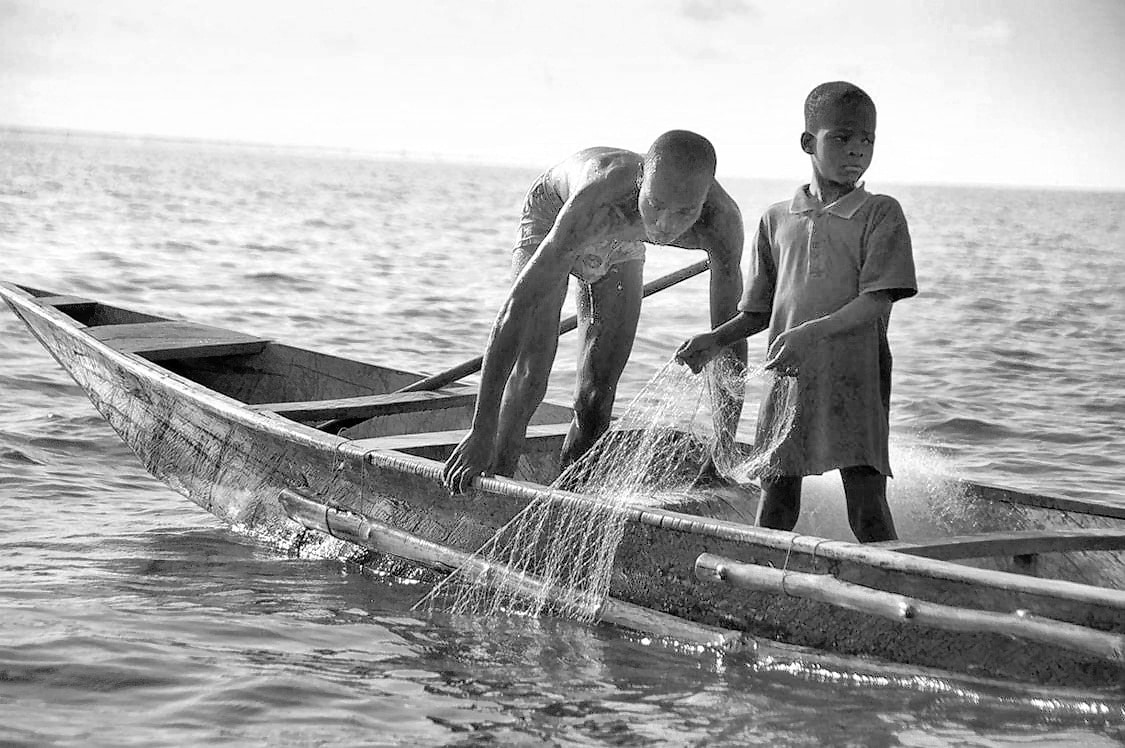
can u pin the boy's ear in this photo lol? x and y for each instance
(808, 143)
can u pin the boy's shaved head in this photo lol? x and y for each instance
(683, 152)
(678, 172)
(828, 97)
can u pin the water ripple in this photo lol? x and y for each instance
(128, 612)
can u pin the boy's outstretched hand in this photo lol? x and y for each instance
(790, 349)
(697, 351)
(470, 458)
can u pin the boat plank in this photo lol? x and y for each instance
(1097, 507)
(1016, 543)
(161, 341)
(369, 406)
(66, 302)
(400, 442)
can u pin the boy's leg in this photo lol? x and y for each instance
(608, 310)
(781, 502)
(527, 383)
(865, 489)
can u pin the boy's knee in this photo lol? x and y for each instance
(533, 369)
(869, 515)
(593, 401)
(873, 526)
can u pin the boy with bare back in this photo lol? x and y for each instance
(827, 265)
(588, 217)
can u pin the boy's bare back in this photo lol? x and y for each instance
(599, 186)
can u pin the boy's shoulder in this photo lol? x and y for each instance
(881, 206)
(777, 210)
(882, 198)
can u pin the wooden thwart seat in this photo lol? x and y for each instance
(67, 303)
(1019, 543)
(162, 341)
(369, 406)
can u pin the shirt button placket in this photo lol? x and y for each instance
(816, 246)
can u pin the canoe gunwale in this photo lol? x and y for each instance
(1057, 503)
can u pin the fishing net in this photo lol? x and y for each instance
(556, 556)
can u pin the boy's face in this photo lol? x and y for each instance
(843, 143)
(670, 204)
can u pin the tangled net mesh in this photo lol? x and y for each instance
(556, 556)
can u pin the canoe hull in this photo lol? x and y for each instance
(235, 462)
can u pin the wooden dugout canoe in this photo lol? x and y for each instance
(246, 428)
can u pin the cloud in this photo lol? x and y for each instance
(714, 11)
(707, 40)
(997, 31)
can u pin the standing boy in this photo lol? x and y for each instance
(827, 266)
(588, 217)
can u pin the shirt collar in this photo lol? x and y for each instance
(845, 207)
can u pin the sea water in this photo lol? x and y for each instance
(130, 616)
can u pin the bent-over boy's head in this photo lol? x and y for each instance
(679, 170)
(839, 131)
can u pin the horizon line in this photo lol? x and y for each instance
(403, 155)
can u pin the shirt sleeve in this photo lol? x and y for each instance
(761, 276)
(888, 256)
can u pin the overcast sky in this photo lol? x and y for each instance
(1023, 92)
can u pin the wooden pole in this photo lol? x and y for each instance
(1097, 507)
(473, 365)
(907, 610)
(367, 533)
(869, 554)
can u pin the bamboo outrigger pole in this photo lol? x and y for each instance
(908, 610)
(367, 533)
(472, 366)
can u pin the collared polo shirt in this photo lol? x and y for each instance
(809, 260)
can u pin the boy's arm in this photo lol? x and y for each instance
(720, 233)
(700, 349)
(540, 277)
(887, 275)
(790, 348)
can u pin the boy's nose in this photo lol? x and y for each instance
(675, 223)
